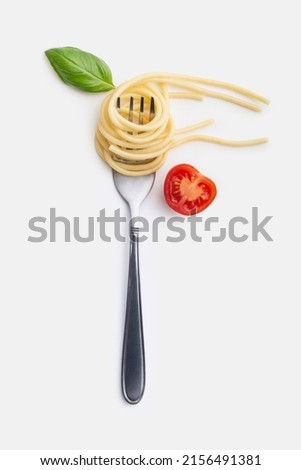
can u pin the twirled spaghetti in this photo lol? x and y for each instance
(134, 148)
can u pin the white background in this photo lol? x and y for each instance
(222, 321)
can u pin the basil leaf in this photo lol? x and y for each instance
(81, 69)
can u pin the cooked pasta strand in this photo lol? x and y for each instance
(136, 148)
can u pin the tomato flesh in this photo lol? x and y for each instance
(187, 191)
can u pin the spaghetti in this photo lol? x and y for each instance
(139, 148)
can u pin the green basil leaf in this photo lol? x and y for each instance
(81, 69)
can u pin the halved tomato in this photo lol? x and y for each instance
(187, 191)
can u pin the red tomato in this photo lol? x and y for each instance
(187, 191)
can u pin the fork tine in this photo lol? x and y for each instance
(131, 109)
(142, 104)
(152, 109)
(141, 110)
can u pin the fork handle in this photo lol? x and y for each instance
(133, 360)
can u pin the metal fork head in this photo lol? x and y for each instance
(142, 113)
(134, 189)
(141, 118)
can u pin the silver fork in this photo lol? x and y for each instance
(134, 190)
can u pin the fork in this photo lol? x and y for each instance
(134, 190)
